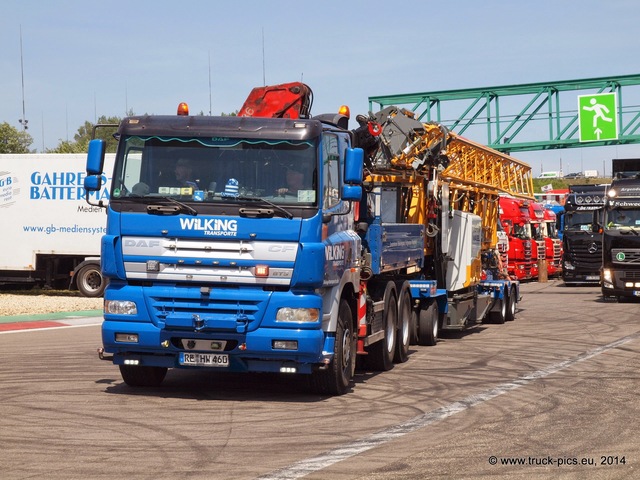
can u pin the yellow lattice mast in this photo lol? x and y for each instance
(476, 174)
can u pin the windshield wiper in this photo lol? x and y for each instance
(280, 209)
(178, 206)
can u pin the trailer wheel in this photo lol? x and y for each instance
(428, 325)
(414, 328)
(501, 315)
(89, 280)
(403, 334)
(381, 353)
(513, 302)
(335, 380)
(136, 376)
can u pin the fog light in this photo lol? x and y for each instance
(127, 337)
(284, 344)
(288, 369)
(132, 362)
(261, 271)
(153, 266)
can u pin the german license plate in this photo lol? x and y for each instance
(204, 359)
(593, 277)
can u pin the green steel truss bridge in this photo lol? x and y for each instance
(534, 116)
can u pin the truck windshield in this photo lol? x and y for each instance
(620, 218)
(578, 221)
(216, 169)
(522, 231)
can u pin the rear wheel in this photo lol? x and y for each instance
(513, 302)
(335, 380)
(414, 327)
(428, 325)
(136, 376)
(381, 353)
(403, 334)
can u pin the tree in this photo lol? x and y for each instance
(13, 140)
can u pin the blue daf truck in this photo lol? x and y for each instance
(255, 244)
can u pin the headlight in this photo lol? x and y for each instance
(606, 275)
(568, 265)
(120, 307)
(297, 315)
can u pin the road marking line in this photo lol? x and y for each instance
(324, 460)
(58, 326)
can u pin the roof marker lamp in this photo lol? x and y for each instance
(183, 109)
(344, 110)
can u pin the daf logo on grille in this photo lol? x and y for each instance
(593, 248)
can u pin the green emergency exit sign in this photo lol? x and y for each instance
(598, 117)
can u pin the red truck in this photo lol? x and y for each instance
(553, 244)
(516, 221)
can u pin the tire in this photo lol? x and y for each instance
(136, 376)
(403, 333)
(513, 303)
(414, 328)
(428, 325)
(380, 354)
(90, 281)
(337, 377)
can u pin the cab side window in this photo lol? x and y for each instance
(331, 167)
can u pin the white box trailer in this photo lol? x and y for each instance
(51, 236)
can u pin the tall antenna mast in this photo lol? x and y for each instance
(264, 77)
(209, 82)
(23, 121)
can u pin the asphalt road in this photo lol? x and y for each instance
(553, 394)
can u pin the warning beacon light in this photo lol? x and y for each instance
(183, 109)
(344, 110)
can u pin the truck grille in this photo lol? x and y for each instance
(587, 254)
(182, 309)
(625, 255)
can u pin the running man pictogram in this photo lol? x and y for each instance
(599, 111)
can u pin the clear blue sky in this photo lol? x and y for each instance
(86, 59)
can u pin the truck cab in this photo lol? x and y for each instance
(233, 267)
(621, 240)
(581, 241)
(553, 244)
(515, 219)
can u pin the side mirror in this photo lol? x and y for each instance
(95, 157)
(353, 168)
(95, 165)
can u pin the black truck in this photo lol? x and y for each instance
(621, 237)
(582, 244)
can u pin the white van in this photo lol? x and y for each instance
(549, 175)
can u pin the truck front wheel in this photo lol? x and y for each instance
(136, 376)
(336, 378)
(89, 280)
